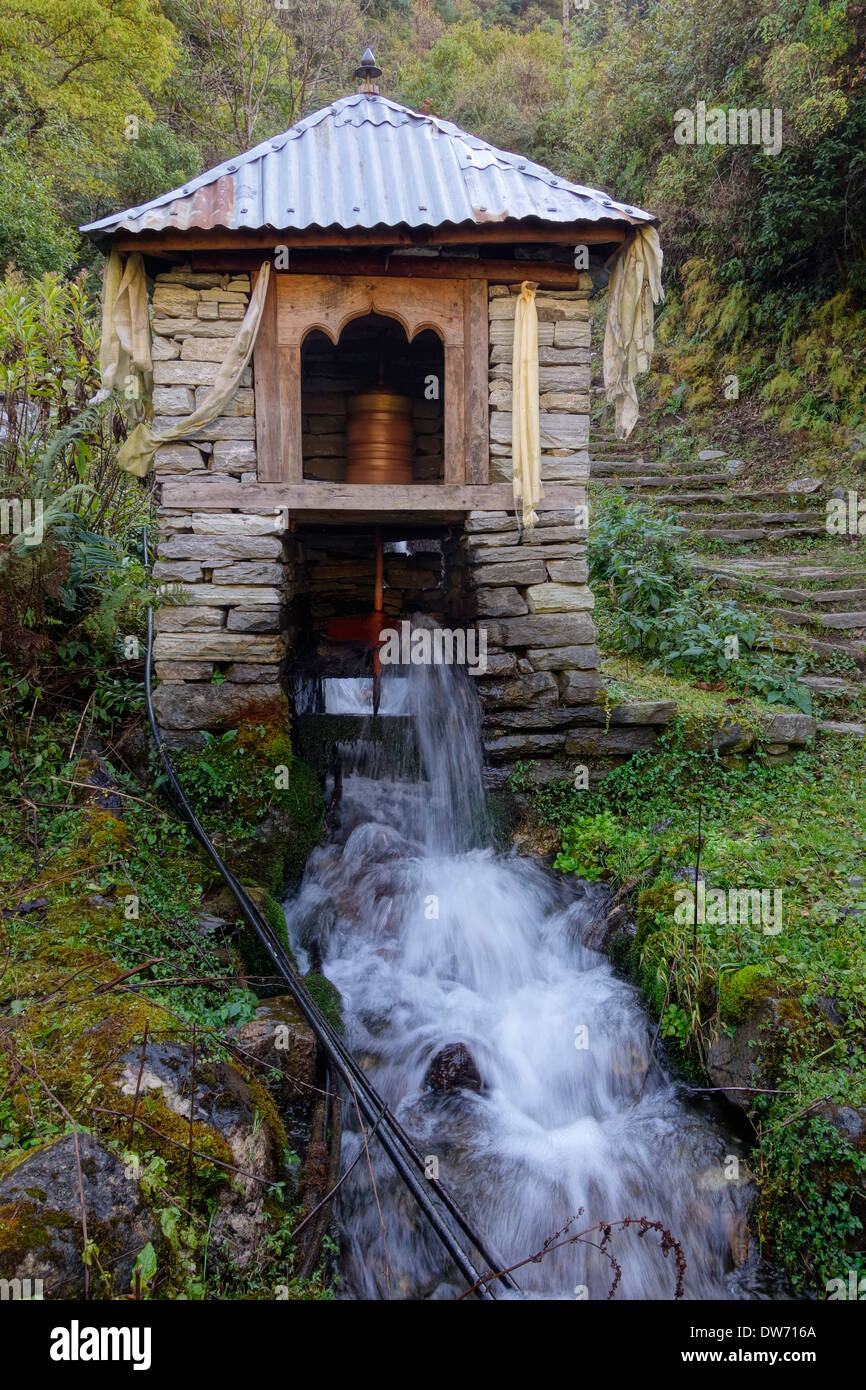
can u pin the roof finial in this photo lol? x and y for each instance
(367, 72)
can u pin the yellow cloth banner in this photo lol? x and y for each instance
(525, 433)
(125, 353)
(635, 286)
(124, 350)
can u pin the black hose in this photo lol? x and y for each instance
(390, 1133)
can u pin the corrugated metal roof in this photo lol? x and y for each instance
(367, 162)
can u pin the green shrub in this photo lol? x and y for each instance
(651, 604)
(65, 600)
(587, 844)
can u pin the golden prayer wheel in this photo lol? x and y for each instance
(379, 437)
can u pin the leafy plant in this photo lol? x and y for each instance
(586, 845)
(658, 610)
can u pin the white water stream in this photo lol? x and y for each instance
(433, 938)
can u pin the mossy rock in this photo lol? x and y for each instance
(325, 994)
(261, 805)
(653, 917)
(652, 971)
(275, 851)
(256, 958)
(655, 910)
(773, 1033)
(740, 990)
(41, 1235)
(619, 949)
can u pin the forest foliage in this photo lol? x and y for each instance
(107, 103)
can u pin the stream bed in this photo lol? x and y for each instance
(516, 1058)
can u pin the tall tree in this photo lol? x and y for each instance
(72, 76)
(257, 65)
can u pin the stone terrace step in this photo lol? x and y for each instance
(855, 649)
(843, 620)
(735, 537)
(831, 685)
(604, 468)
(735, 519)
(800, 596)
(673, 480)
(768, 495)
(832, 620)
(857, 596)
(790, 567)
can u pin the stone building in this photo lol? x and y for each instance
(397, 246)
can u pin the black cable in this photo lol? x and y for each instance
(390, 1133)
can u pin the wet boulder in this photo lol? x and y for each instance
(850, 1120)
(748, 1056)
(453, 1068)
(237, 1110)
(41, 1225)
(279, 1040)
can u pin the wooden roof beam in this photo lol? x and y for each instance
(219, 239)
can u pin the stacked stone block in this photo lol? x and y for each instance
(532, 599)
(530, 587)
(563, 381)
(231, 570)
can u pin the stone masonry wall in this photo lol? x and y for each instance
(235, 568)
(563, 381)
(530, 587)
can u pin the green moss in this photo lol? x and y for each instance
(325, 994)
(655, 910)
(276, 809)
(266, 1109)
(303, 800)
(276, 918)
(740, 990)
(256, 958)
(620, 949)
(652, 969)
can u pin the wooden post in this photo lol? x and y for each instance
(476, 396)
(290, 414)
(455, 426)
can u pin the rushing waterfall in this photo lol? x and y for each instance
(436, 940)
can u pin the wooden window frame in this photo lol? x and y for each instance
(298, 304)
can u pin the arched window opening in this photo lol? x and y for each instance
(373, 354)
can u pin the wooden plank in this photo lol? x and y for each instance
(219, 494)
(289, 374)
(267, 392)
(329, 302)
(454, 441)
(476, 348)
(551, 276)
(572, 234)
(400, 525)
